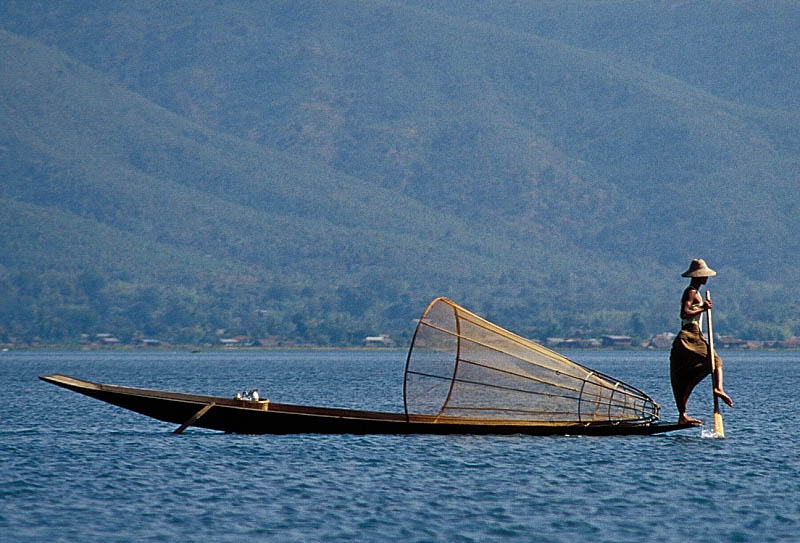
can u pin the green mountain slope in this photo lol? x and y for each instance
(739, 51)
(273, 218)
(478, 112)
(353, 159)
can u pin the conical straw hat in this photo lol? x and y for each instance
(699, 268)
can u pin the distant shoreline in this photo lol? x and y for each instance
(201, 349)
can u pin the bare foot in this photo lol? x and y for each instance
(725, 398)
(686, 419)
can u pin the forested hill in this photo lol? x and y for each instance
(316, 172)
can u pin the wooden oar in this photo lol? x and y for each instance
(193, 418)
(719, 428)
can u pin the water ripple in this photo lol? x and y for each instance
(89, 471)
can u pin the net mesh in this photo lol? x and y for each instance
(461, 366)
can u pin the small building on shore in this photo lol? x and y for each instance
(790, 343)
(616, 341)
(729, 342)
(381, 340)
(662, 341)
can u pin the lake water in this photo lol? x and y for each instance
(75, 469)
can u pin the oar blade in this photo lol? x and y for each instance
(719, 427)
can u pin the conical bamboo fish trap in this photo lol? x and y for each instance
(461, 367)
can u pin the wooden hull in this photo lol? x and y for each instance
(248, 417)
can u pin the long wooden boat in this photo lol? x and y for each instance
(264, 417)
(464, 375)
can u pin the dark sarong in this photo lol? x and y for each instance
(688, 361)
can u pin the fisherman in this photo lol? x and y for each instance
(688, 360)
